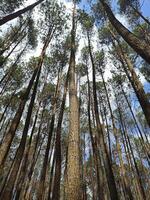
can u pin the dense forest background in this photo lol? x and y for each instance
(74, 100)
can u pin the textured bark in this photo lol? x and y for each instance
(73, 160)
(138, 45)
(18, 13)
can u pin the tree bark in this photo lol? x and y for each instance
(18, 13)
(133, 78)
(57, 176)
(73, 160)
(123, 172)
(41, 188)
(130, 151)
(138, 45)
(100, 182)
(104, 152)
(5, 146)
(8, 188)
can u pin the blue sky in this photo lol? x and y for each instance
(145, 6)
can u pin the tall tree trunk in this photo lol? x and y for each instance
(57, 176)
(18, 13)
(25, 160)
(41, 188)
(73, 160)
(32, 160)
(29, 153)
(138, 45)
(103, 147)
(5, 146)
(130, 151)
(100, 182)
(143, 143)
(51, 177)
(123, 173)
(133, 78)
(8, 188)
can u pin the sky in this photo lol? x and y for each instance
(145, 7)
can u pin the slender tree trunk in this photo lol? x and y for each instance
(128, 155)
(92, 165)
(14, 38)
(107, 164)
(138, 178)
(32, 161)
(29, 151)
(12, 50)
(51, 177)
(140, 14)
(73, 160)
(57, 176)
(108, 131)
(41, 188)
(5, 146)
(13, 67)
(8, 188)
(84, 185)
(100, 192)
(7, 106)
(138, 45)
(25, 161)
(146, 147)
(18, 13)
(123, 173)
(133, 78)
